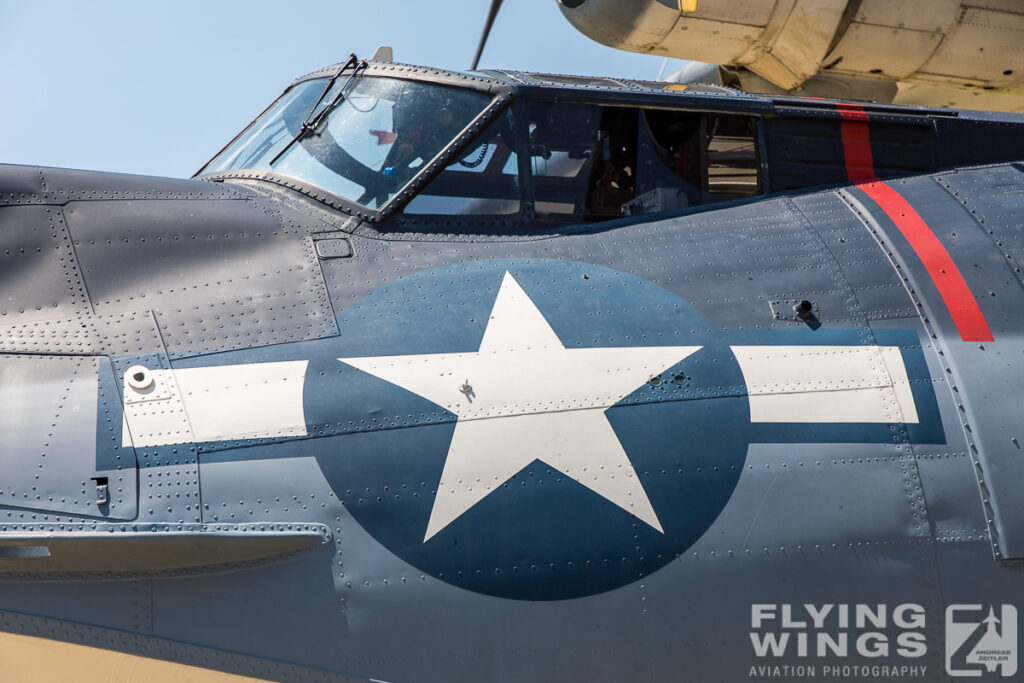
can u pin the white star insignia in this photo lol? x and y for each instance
(522, 397)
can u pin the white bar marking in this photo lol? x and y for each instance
(827, 384)
(219, 403)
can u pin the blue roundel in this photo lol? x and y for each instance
(612, 445)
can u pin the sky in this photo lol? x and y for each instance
(158, 88)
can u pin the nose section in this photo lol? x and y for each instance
(37, 185)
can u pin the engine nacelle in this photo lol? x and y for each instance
(938, 52)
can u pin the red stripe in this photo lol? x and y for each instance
(860, 166)
(967, 316)
(856, 142)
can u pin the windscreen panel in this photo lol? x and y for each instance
(375, 137)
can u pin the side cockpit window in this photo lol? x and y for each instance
(582, 159)
(592, 162)
(595, 162)
(484, 181)
(733, 163)
(713, 157)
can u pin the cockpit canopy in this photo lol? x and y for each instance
(512, 150)
(541, 157)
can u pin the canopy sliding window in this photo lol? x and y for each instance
(595, 162)
(590, 162)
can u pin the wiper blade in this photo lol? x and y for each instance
(314, 118)
(322, 114)
(327, 88)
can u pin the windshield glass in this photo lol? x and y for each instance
(380, 135)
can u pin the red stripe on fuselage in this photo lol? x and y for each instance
(860, 165)
(860, 168)
(967, 316)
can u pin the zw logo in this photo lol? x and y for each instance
(978, 640)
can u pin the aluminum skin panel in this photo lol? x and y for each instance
(981, 373)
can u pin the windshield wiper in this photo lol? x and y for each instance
(314, 118)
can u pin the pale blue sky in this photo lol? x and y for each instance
(158, 88)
